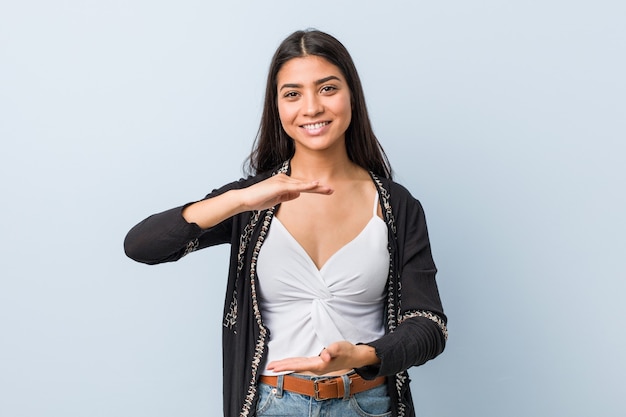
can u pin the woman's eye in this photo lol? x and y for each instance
(290, 94)
(328, 89)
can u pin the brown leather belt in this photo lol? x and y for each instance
(325, 388)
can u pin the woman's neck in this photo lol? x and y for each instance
(323, 167)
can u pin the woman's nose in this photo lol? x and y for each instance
(313, 106)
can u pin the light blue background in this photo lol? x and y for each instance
(506, 119)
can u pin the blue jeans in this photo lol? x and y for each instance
(277, 402)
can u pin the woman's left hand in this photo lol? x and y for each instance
(336, 357)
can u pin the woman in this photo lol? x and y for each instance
(331, 292)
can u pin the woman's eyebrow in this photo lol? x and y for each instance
(318, 82)
(326, 79)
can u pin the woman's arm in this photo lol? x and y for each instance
(170, 235)
(167, 237)
(337, 356)
(260, 196)
(421, 333)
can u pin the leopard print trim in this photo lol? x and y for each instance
(230, 320)
(191, 246)
(384, 198)
(244, 239)
(392, 309)
(431, 316)
(248, 404)
(401, 380)
(393, 287)
(260, 343)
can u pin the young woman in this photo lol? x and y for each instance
(331, 292)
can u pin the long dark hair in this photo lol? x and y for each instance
(273, 146)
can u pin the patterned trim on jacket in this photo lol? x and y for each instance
(248, 404)
(394, 315)
(393, 287)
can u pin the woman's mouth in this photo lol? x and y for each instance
(315, 126)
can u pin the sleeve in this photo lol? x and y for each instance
(167, 236)
(421, 332)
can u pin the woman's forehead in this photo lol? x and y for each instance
(307, 69)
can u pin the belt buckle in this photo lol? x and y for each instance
(316, 389)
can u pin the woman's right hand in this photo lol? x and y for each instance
(260, 196)
(278, 189)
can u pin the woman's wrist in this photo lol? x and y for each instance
(212, 211)
(366, 356)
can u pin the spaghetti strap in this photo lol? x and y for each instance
(375, 214)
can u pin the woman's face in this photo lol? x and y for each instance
(314, 103)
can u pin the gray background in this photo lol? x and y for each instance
(506, 119)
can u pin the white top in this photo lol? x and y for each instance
(306, 308)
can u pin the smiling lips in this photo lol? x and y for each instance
(315, 127)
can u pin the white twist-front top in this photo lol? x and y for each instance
(306, 308)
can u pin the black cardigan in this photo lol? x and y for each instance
(416, 325)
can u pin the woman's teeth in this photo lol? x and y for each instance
(315, 125)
